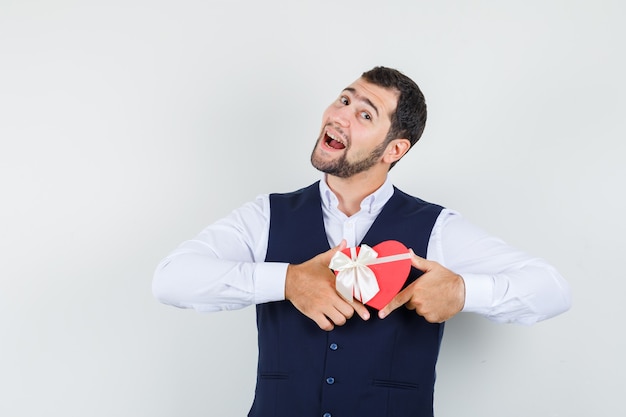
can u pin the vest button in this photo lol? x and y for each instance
(330, 380)
(333, 346)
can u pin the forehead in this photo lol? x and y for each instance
(384, 100)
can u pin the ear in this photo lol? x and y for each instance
(396, 150)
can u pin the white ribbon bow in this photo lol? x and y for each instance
(354, 276)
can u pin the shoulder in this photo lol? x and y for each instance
(302, 191)
(304, 195)
(414, 202)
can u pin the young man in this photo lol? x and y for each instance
(319, 353)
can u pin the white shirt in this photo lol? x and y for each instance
(224, 267)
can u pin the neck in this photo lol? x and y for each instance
(351, 191)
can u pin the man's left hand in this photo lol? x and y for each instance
(437, 295)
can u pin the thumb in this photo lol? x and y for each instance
(420, 263)
(328, 255)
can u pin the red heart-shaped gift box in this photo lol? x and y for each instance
(390, 276)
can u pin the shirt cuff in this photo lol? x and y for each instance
(269, 282)
(478, 292)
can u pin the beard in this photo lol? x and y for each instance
(343, 168)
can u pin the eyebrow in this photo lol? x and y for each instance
(361, 98)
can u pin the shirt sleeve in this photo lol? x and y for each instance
(223, 267)
(501, 283)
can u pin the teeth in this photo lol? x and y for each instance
(330, 135)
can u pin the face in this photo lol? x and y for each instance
(354, 128)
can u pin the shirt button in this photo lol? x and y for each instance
(327, 415)
(330, 380)
(333, 346)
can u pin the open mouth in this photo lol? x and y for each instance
(333, 141)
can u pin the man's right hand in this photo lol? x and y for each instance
(310, 286)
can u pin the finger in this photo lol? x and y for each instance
(361, 310)
(327, 256)
(399, 300)
(348, 308)
(324, 323)
(420, 263)
(341, 246)
(337, 317)
(344, 307)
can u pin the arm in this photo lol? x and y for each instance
(223, 268)
(499, 282)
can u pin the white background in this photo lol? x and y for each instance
(127, 126)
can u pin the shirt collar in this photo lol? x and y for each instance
(372, 204)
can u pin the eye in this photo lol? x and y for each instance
(366, 115)
(344, 100)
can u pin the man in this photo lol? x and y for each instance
(321, 354)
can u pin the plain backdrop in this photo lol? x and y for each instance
(128, 126)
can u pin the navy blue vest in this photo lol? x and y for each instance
(374, 368)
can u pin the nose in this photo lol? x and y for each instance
(341, 115)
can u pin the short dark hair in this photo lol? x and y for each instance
(409, 119)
